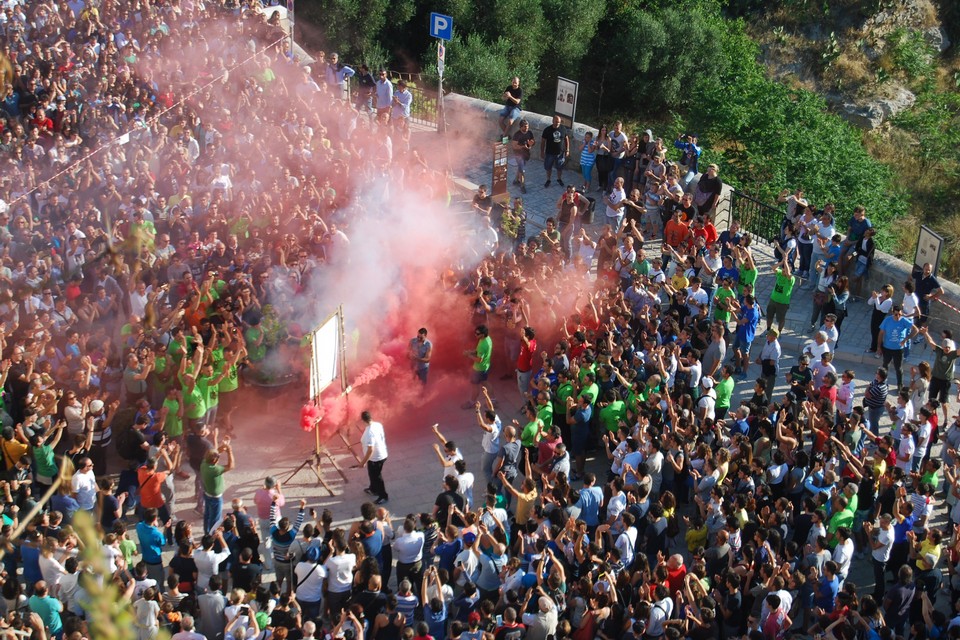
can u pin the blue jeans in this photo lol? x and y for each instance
(873, 419)
(212, 512)
(487, 460)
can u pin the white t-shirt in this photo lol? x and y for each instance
(709, 403)
(373, 436)
(842, 555)
(910, 303)
(310, 581)
(340, 572)
(923, 439)
(906, 449)
(84, 484)
(491, 439)
(616, 197)
(882, 554)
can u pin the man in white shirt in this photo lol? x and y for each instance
(843, 553)
(408, 550)
(660, 611)
(880, 551)
(374, 441)
(208, 561)
(84, 485)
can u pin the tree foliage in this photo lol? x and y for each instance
(684, 61)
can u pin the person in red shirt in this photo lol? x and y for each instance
(676, 233)
(676, 571)
(528, 347)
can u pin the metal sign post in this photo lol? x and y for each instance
(290, 18)
(441, 56)
(441, 28)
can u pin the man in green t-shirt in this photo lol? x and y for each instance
(780, 296)
(213, 485)
(481, 363)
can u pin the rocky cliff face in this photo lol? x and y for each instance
(845, 56)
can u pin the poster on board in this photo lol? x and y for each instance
(566, 103)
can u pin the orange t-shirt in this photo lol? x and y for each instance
(150, 483)
(674, 233)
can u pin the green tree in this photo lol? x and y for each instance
(482, 69)
(571, 26)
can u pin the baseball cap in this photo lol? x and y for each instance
(96, 405)
(469, 537)
(707, 382)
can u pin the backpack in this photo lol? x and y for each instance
(128, 444)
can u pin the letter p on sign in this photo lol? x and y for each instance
(441, 26)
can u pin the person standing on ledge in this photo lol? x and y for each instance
(420, 352)
(374, 441)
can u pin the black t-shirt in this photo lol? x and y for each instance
(185, 568)
(444, 501)
(554, 137)
(516, 94)
(197, 448)
(522, 138)
(246, 576)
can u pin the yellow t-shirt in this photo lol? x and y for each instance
(928, 548)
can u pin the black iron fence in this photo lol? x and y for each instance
(757, 218)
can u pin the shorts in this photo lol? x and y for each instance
(939, 390)
(520, 161)
(479, 377)
(510, 113)
(777, 311)
(553, 160)
(741, 345)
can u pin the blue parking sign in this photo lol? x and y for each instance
(441, 26)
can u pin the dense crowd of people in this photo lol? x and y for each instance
(173, 185)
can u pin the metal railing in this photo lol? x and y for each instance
(757, 218)
(423, 109)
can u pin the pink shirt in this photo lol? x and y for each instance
(263, 498)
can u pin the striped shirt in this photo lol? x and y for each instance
(876, 395)
(282, 541)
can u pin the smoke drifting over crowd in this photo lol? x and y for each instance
(386, 200)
